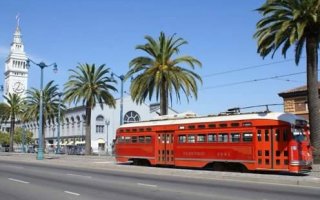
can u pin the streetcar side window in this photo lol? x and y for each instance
(299, 134)
(277, 135)
(134, 139)
(182, 139)
(201, 138)
(259, 135)
(148, 139)
(212, 138)
(121, 139)
(141, 139)
(235, 137)
(127, 139)
(223, 137)
(201, 126)
(247, 137)
(235, 124)
(266, 135)
(191, 138)
(247, 124)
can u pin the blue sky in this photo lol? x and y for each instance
(219, 34)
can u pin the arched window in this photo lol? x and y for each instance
(99, 118)
(67, 121)
(100, 124)
(131, 117)
(78, 119)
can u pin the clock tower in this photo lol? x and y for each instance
(16, 70)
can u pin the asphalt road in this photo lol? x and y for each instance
(40, 182)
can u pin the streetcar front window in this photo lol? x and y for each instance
(299, 134)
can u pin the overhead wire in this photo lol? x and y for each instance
(289, 80)
(247, 68)
(253, 80)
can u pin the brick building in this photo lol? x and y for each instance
(296, 101)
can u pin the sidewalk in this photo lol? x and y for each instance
(108, 163)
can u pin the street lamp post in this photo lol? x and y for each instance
(121, 97)
(107, 139)
(58, 124)
(42, 65)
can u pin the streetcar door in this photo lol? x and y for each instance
(280, 148)
(264, 147)
(165, 148)
(272, 150)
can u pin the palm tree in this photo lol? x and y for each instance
(162, 74)
(91, 85)
(15, 105)
(50, 105)
(294, 22)
(4, 112)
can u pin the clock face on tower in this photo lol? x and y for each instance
(18, 87)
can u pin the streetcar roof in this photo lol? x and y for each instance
(286, 117)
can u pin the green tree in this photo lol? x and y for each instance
(50, 105)
(286, 23)
(162, 74)
(91, 85)
(18, 135)
(14, 110)
(4, 138)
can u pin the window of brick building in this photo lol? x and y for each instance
(300, 105)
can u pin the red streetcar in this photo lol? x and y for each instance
(254, 141)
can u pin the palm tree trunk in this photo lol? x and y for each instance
(164, 100)
(313, 94)
(88, 131)
(12, 124)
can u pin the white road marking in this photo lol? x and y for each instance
(19, 181)
(147, 185)
(79, 175)
(72, 193)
